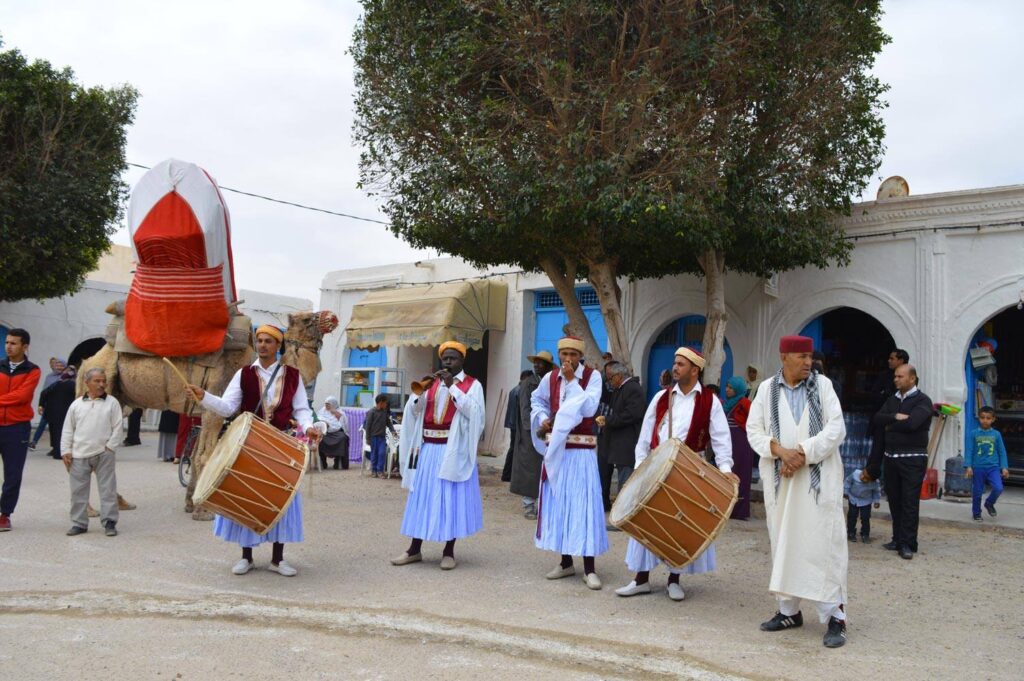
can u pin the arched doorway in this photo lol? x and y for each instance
(85, 350)
(856, 348)
(686, 331)
(994, 370)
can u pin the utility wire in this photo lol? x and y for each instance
(287, 203)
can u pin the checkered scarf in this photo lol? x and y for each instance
(814, 409)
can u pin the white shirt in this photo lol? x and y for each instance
(91, 427)
(334, 424)
(903, 396)
(228, 404)
(682, 413)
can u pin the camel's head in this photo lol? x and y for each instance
(303, 339)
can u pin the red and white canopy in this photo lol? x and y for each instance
(178, 218)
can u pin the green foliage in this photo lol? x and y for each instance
(61, 158)
(640, 134)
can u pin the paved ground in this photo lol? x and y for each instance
(159, 601)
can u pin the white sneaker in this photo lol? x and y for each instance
(283, 569)
(592, 581)
(633, 589)
(242, 566)
(675, 592)
(560, 572)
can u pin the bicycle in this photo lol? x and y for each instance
(185, 462)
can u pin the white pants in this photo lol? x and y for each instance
(791, 606)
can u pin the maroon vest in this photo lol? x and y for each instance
(449, 412)
(698, 436)
(251, 395)
(587, 425)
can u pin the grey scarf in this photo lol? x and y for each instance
(814, 412)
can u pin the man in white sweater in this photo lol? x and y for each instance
(92, 429)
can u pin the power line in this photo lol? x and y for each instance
(282, 201)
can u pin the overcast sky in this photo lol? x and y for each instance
(260, 94)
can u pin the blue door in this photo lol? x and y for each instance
(684, 332)
(551, 318)
(362, 357)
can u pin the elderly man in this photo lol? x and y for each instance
(275, 393)
(689, 413)
(903, 423)
(570, 518)
(91, 430)
(440, 432)
(796, 426)
(527, 462)
(620, 429)
(335, 443)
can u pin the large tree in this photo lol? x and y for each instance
(601, 140)
(61, 159)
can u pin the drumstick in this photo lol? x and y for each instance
(178, 373)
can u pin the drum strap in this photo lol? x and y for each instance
(266, 390)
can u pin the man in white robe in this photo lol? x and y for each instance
(570, 515)
(440, 432)
(796, 426)
(677, 413)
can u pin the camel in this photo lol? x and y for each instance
(146, 381)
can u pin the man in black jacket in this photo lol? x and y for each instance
(621, 426)
(905, 419)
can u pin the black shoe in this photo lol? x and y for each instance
(110, 529)
(991, 510)
(977, 518)
(866, 539)
(76, 530)
(780, 622)
(851, 537)
(835, 637)
(56, 456)
(891, 546)
(906, 553)
(131, 443)
(337, 467)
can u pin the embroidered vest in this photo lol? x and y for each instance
(587, 426)
(698, 436)
(251, 394)
(447, 416)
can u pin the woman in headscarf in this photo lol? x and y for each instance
(335, 443)
(737, 408)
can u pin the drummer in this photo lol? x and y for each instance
(685, 412)
(284, 399)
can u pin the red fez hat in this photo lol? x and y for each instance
(796, 344)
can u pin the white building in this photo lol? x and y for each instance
(74, 326)
(930, 274)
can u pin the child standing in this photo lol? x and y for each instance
(862, 492)
(378, 421)
(986, 462)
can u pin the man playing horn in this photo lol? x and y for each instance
(275, 393)
(687, 412)
(440, 432)
(796, 426)
(570, 515)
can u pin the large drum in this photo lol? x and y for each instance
(253, 474)
(675, 503)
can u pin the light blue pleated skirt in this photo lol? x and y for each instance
(639, 559)
(440, 510)
(287, 531)
(571, 515)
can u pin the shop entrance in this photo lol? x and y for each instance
(994, 369)
(856, 348)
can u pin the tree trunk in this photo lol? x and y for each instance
(602, 276)
(713, 264)
(564, 281)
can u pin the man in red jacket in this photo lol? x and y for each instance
(18, 380)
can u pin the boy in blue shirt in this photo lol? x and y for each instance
(862, 492)
(986, 462)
